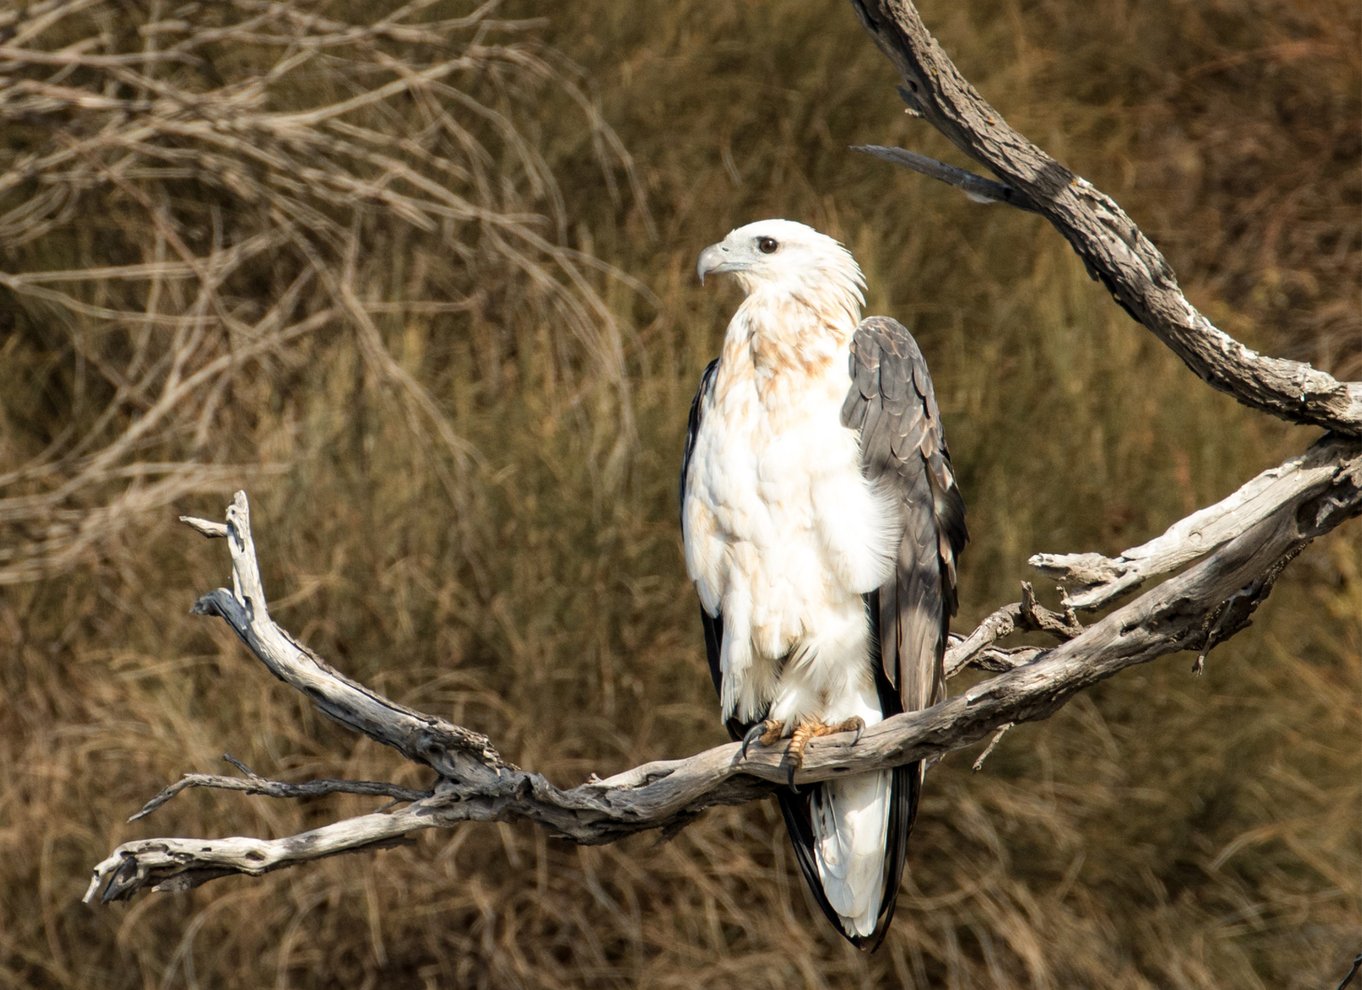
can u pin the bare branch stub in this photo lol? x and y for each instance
(1112, 247)
(976, 187)
(1093, 581)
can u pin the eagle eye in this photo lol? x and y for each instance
(767, 245)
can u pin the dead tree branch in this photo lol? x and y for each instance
(1093, 581)
(1231, 554)
(453, 752)
(1200, 607)
(1113, 248)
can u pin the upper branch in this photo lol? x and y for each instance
(1112, 247)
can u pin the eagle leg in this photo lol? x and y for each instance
(811, 729)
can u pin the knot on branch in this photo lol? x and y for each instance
(1037, 618)
(1028, 615)
(1235, 613)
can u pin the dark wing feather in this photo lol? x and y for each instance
(697, 410)
(713, 624)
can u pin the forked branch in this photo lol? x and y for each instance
(1092, 581)
(1231, 553)
(1207, 603)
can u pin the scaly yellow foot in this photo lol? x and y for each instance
(769, 732)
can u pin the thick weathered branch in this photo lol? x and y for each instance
(1207, 603)
(1093, 581)
(1112, 247)
(179, 864)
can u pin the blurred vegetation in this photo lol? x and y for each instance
(420, 278)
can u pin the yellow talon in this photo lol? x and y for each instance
(805, 731)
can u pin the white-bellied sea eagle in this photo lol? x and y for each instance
(821, 522)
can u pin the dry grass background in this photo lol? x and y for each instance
(420, 278)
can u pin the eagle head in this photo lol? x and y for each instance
(782, 254)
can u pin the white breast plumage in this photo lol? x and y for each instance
(783, 533)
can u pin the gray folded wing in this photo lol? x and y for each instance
(892, 403)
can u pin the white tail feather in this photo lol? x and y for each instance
(850, 828)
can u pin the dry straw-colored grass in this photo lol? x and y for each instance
(420, 277)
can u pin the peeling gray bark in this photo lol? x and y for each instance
(1232, 553)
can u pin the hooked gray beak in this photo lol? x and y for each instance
(713, 259)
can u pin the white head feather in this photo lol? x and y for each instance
(790, 259)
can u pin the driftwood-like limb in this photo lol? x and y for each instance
(452, 751)
(1093, 581)
(1112, 247)
(179, 864)
(1209, 602)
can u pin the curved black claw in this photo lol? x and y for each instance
(789, 778)
(753, 734)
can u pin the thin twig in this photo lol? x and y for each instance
(1348, 977)
(976, 187)
(253, 783)
(997, 737)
